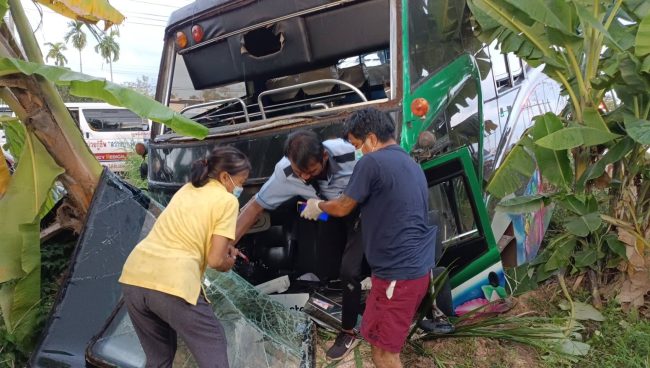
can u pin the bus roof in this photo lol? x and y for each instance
(244, 12)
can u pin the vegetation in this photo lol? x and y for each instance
(108, 48)
(591, 48)
(56, 53)
(77, 35)
(53, 150)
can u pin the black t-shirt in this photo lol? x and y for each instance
(393, 194)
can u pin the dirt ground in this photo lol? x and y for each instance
(459, 352)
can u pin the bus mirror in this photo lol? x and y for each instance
(426, 139)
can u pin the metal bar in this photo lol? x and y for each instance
(460, 236)
(219, 102)
(306, 84)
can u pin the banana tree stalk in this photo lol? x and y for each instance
(66, 146)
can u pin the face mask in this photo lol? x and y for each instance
(236, 190)
(358, 154)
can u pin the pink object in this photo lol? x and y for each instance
(470, 306)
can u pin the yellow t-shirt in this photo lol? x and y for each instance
(173, 257)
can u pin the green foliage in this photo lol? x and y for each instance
(622, 340)
(590, 48)
(132, 171)
(56, 53)
(20, 264)
(86, 86)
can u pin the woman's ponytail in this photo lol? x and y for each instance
(222, 158)
(199, 173)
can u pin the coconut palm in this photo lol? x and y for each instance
(109, 49)
(78, 37)
(56, 53)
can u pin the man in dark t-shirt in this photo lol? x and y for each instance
(392, 192)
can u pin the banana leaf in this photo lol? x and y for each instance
(15, 134)
(83, 85)
(20, 263)
(86, 11)
(5, 177)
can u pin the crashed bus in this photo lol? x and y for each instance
(253, 72)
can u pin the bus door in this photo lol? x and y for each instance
(468, 246)
(443, 129)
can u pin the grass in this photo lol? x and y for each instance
(132, 171)
(55, 255)
(622, 340)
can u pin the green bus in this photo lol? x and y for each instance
(254, 71)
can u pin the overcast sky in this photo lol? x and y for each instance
(141, 38)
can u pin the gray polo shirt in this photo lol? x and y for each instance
(284, 184)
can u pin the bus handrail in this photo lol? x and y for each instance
(260, 103)
(218, 102)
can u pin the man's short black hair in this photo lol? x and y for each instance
(303, 147)
(370, 120)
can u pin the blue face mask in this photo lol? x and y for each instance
(236, 190)
(358, 154)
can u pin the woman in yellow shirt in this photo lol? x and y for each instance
(161, 279)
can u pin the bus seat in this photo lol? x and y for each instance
(355, 75)
(318, 74)
(378, 75)
(292, 80)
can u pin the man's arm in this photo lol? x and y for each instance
(247, 218)
(339, 207)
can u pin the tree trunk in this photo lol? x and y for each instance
(81, 69)
(110, 66)
(38, 105)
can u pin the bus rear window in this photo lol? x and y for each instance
(114, 120)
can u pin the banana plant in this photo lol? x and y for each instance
(53, 149)
(593, 49)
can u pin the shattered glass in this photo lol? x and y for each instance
(89, 322)
(260, 331)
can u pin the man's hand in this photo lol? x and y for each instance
(311, 211)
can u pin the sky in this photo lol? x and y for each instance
(140, 40)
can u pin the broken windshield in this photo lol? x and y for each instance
(260, 331)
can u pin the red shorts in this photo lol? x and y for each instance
(386, 321)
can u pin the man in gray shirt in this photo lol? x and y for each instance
(315, 169)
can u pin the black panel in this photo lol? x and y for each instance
(118, 218)
(235, 14)
(462, 254)
(293, 54)
(311, 41)
(203, 62)
(348, 31)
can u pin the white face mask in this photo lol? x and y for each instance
(236, 190)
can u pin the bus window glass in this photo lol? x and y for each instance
(450, 199)
(114, 120)
(516, 69)
(434, 35)
(183, 93)
(75, 116)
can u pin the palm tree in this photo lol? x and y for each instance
(78, 37)
(109, 49)
(56, 53)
